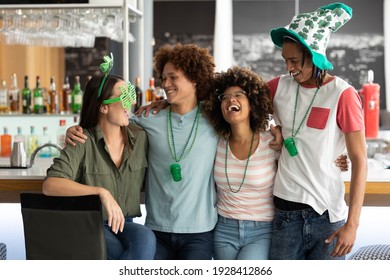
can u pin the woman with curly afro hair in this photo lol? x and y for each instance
(245, 166)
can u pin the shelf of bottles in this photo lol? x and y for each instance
(37, 113)
(38, 100)
(34, 130)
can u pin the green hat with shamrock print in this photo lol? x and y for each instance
(313, 30)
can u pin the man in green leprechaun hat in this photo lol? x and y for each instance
(321, 117)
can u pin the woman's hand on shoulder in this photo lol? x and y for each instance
(75, 134)
(157, 106)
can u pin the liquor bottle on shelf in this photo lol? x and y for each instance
(77, 96)
(6, 140)
(138, 92)
(32, 141)
(46, 101)
(61, 134)
(26, 97)
(66, 99)
(160, 93)
(150, 94)
(20, 137)
(14, 94)
(38, 97)
(4, 98)
(53, 98)
(44, 139)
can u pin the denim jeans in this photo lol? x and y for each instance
(301, 234)
(136, 242)
(184, 246)
(242, 240)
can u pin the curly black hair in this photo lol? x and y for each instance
(195, 62)
(258, 94)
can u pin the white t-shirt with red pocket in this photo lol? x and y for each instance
(311, 177)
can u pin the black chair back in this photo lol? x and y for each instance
(63, 227)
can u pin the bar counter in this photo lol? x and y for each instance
(15, 181)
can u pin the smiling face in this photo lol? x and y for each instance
(298, 63)
(235, 106)
(178, 88)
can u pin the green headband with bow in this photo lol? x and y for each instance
(106, 67)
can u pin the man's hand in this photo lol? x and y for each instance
(342, 162)
(277, 143)
(75, 133)
(346, 236)
(156, 106)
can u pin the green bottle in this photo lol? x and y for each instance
(26, 97)
(38, 98)
(77, 96)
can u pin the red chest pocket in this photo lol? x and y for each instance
(318, 117)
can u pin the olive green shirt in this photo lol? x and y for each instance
(91, 164)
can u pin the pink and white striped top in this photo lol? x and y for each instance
(254, 202)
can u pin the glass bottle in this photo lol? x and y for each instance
(26, 97)
(138, 92)
(32, 141)
(61, 134)
(38, 97)
(20, 137)
(150, 94)
(66, 100)
(44, 139)
(53, 98)
(6, 140)
(77, 96)
(160, 93)
(4, 98)
(14, 93)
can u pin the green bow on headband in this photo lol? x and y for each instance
(106, 67)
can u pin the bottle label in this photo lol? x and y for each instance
(3, 98)
(38, 101)
(78, 99)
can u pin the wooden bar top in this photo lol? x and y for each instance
(15, 181)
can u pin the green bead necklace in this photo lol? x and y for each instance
(175, 168)
(246, 165)
(293, 134)
(289, 143)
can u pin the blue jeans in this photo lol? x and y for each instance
(136, 242)
(301, 234)
(242, 240)
(184, 246)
